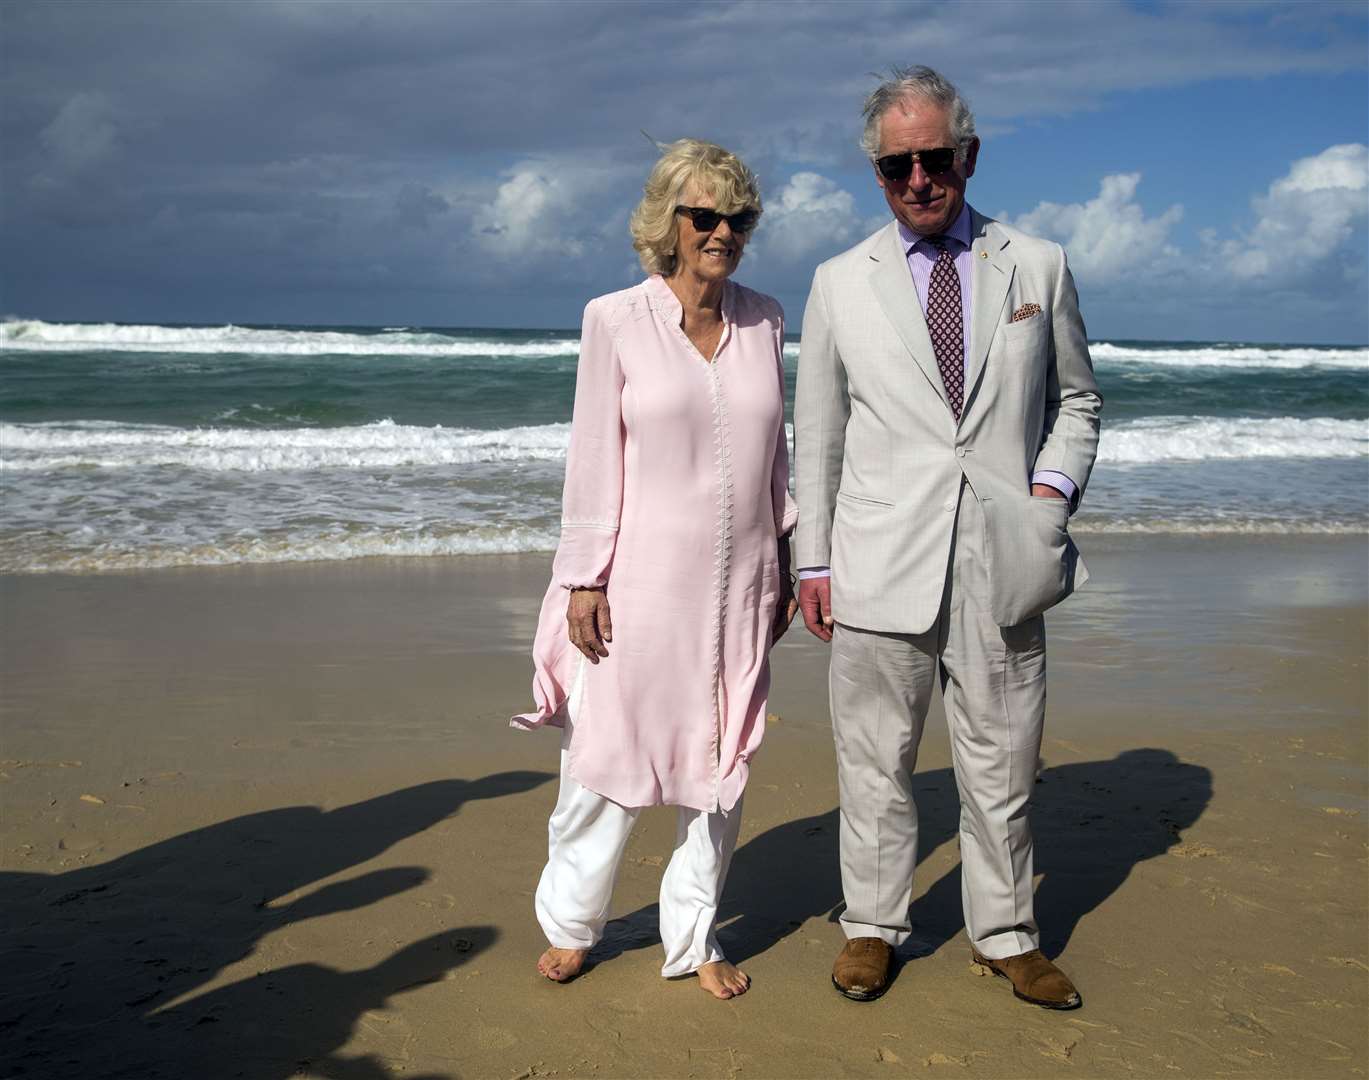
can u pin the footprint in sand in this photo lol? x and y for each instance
(488, 1037)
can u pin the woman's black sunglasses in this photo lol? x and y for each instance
(706, 219)
(897, 167)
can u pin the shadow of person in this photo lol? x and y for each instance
(778, 879)
(1092, 821)
(104, 944)
(1096, 821)
(309, 1014)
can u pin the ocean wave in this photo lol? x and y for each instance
(1205, 438)
(1239, 356)
(381, 445)
(385, 444)
(34, 335)
(1216, 527)
(1105, 353)
(505, 540)
(477, 541)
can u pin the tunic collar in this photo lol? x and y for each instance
(664, 301)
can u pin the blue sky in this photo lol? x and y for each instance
(386, 163)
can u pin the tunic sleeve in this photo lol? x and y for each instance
(593, 495)
(786, 510)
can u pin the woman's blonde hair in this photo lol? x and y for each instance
(711, 169)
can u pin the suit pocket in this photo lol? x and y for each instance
(1033, 562)
(1026, 332)
(860, 538)
(1030, 325)
(863, 500)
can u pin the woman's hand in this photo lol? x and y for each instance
(786, 606)
(784, 615)
(588, 622)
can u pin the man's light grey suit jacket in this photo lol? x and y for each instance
(880, 458)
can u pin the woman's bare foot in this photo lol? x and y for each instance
(562, 965)
(724, 980)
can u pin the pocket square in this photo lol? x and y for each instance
(1026, 311)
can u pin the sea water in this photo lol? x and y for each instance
(124, 447)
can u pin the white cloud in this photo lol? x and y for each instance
(1108, 237)
(83, 131)
(1304, 217)
(527, 216)
(1297, 273)
(811, 216)
(550, 213)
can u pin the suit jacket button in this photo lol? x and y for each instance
(950, 506)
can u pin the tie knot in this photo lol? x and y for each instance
(941, 243)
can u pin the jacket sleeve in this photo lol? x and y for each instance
(822, 407)
(1070, 436)
(786, 510)
(592, 499)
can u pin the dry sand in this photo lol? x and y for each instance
(268, 822)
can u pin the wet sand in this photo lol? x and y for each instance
(269, 822)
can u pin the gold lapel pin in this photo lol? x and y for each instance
(983, 254)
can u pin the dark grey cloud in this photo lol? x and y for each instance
(475, 162)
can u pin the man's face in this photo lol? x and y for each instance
(926, 204)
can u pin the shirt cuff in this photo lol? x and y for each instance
(807, 572)
(1060, 482)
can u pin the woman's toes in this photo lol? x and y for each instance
(562, 965)
(722, 980)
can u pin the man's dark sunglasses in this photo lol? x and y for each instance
(706, 219)
(897, 167)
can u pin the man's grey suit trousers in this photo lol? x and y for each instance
(994, 688)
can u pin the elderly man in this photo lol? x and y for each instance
(946, 424)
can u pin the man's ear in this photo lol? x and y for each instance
(971, 156)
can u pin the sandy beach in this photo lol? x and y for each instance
(269, 821)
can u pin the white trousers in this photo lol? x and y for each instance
(587, 835)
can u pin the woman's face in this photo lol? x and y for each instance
(708, 256)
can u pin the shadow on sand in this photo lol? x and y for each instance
(1093, 822)
(94, 956)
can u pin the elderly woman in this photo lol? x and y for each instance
(671, 581)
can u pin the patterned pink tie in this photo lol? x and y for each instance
(946, 324)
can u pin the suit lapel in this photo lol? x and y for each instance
(991, 277)
(892, 283)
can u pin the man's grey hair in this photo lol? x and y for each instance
(923, 84)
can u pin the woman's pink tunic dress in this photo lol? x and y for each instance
(676, 491)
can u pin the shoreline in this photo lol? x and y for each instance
(270, 821)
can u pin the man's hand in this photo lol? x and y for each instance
(1045, 491)
(588, 622)
(815, 601)
(784, 615)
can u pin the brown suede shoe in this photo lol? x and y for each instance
(1034, 979)
(862, 968)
